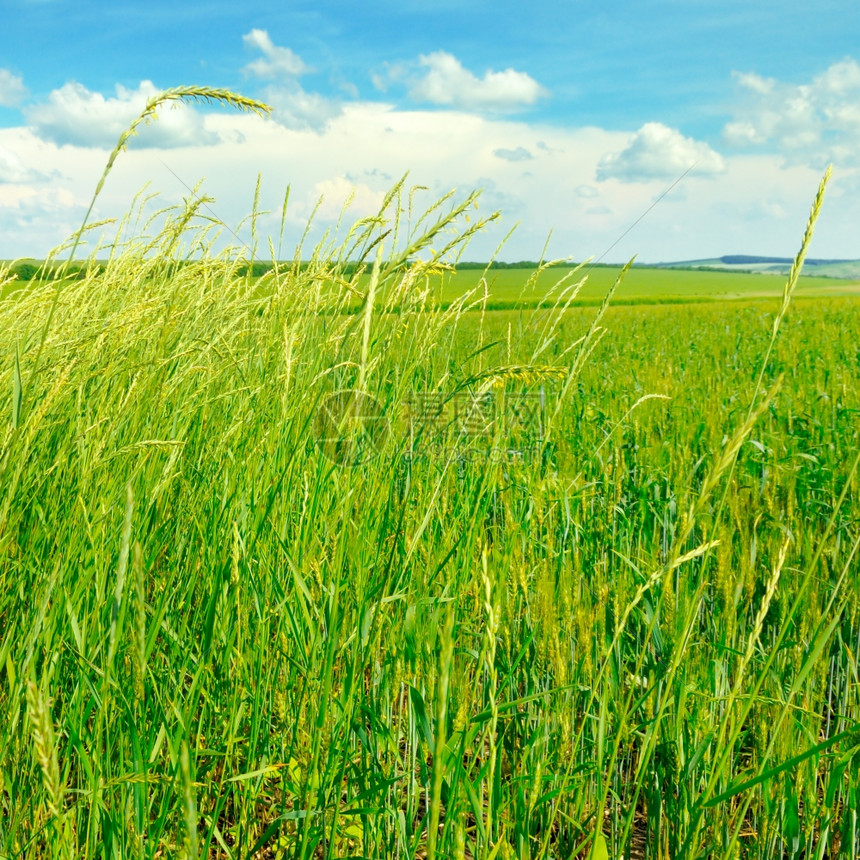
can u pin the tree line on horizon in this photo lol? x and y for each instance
(32, 269)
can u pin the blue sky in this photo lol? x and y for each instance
(573, 117)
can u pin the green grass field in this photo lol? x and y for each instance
(516, 287)
(571, 582)
(534, 288)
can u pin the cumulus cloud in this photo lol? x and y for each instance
(293, 106)
(810, 123)
(659, 152)
(12, 89)
(276, 60)
(297, 109)
(31, 208)
(32, 222)
(440, 149)
(339, 194)
(518, 154)
(447, 82)
(75, 115)
(755, 83)
(13, 171)
(391, 73)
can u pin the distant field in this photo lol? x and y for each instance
(512, 287)
(841, 269)
(528, 288)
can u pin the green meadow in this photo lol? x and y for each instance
(536, 286)
(508, 288)
(350, 562)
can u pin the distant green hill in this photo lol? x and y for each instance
(849, 269)
(29, 269)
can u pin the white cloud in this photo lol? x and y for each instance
(277, 61)
(448, 83)
(29, 207)
(659, 152)
(75, 115)
(518, 154)
(293, 107)
(755, 83)
(391, 73)
(758, 206)
(349, 88)
(841, 79)
(742, 133)
(51, 214)
(337, 192)
(12, 89)
(810, 123)
(13, 171)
